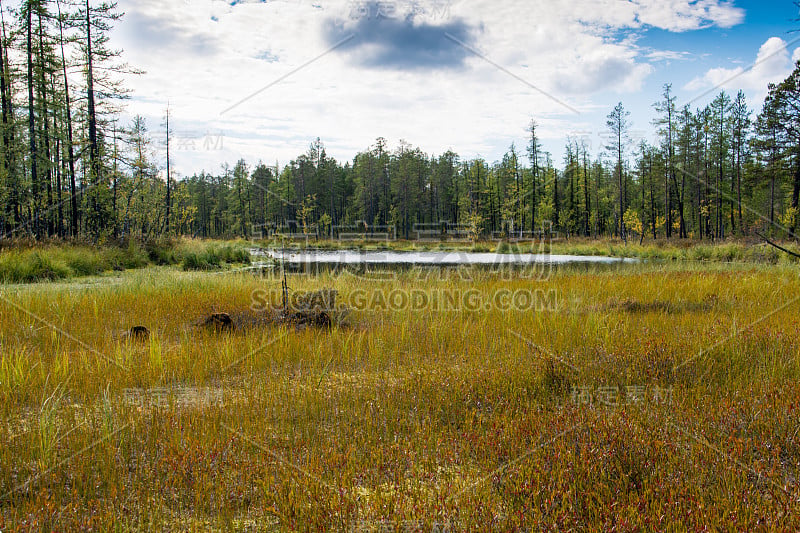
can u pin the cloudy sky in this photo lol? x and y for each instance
(261, 79)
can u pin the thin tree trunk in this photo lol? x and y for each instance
(796, 183)
(772, 202)
(59, 188)
(46, 125)
(57, 163)
(652, 197)
(586, 194)
(169, 179)
(32, 122)
(670, 172)
(534, 175)
(8, 132)
(621, 187)
(739, 183)
(557, 213)
(74, 214)
(115, 218)
(94, 147)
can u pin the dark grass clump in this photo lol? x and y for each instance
(162, 252)
(634, 306)
(219, 323)
(313, 310)
(201, 261)
(213, 257)
(315, 319)
(129, 256)
(138, 334)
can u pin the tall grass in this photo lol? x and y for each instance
(56, 262)
(214, 256)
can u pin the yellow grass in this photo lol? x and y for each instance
(643, 397)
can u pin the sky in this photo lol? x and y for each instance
(260, 80)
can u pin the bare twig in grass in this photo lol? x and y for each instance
(779, 247)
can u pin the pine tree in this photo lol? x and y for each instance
(534, 149)
(741, 124)
(618, 126)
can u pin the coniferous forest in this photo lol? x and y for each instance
(71, 168)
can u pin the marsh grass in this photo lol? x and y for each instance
(214, 256)
(63, 261)
(407, 417)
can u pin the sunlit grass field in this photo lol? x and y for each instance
(654, 396)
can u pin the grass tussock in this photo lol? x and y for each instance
(213, 257)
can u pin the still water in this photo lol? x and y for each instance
(390, 258)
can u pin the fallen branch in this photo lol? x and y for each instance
(781, 248)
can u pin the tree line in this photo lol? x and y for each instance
(68, 169)
(715, 172)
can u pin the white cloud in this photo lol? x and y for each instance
(677, 15)
(667, 55)
(773, 63)
(204, 55)
(672, 15)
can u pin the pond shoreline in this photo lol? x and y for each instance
(433, 258)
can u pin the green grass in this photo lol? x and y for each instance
(63, 261)
(475, 420)
(31, 266)
(212, 257)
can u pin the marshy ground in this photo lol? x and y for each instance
(633, 397)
